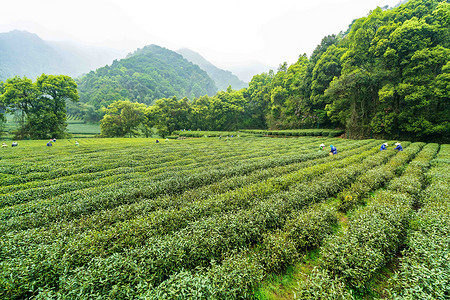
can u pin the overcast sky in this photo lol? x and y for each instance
(227, 33)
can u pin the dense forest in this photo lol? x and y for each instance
(387, 76)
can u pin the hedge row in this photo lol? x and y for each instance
(376, 232)
(87, 201)
(200, 134)
(376, 178)
(151, 171)
(425, 264)
(299, 132)
(192, 246)
(303, 230)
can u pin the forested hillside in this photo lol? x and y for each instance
(26, 54)
(148, 74)
(389, 75)
(222, 78)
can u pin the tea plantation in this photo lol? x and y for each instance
(211, 218)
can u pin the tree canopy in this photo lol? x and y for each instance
(387, 76)
(41, 105)
(148, 74)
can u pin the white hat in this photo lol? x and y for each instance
(396, 144)
(322, 145)
(386, 144)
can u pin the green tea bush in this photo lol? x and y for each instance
(183, 285)
(376, 232)
(237, 276)
(308, 228)
(377, 177)
(196, 218)
(374, 235)
(424, 271)
(277, 251)
(321, 285)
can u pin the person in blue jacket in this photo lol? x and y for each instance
(50, 143)
(384, 146)
(399, 147)
(333, 150)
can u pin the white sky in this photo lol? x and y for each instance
(227, 33)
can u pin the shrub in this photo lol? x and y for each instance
(277, 251)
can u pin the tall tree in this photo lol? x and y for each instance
(171, 114)
(122, 118)
(41, 105)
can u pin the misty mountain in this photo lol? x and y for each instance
(26, 54)
(146, 75)
(248, 70)
(222, 78)
(85, 58)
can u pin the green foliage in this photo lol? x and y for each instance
(424, 266)
(320, 285)
(183, 285)
(125, 218)
(42, 105)
(298, 132)
(122, 118)
(373, 237)
(307, 229)
(386, 76)
(148, 74)
(277, 251)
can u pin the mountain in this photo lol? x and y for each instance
(147, 74)
(85, 58)
(26, 54)
(247, 71)
(222, 78)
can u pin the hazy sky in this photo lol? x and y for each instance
(227, 33)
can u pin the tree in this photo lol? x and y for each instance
(42, 105)
(47, 117)
(122, 118)
(171, 114)
(18, 96)
(2, 109)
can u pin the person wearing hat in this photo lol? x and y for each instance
(322, 146)
(333, 150)
(384, 146)
(399, 147)
(49, 144)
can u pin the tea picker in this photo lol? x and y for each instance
(384, 146)
(399, 147)
(333, 150)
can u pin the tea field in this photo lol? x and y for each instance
(212, 218)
